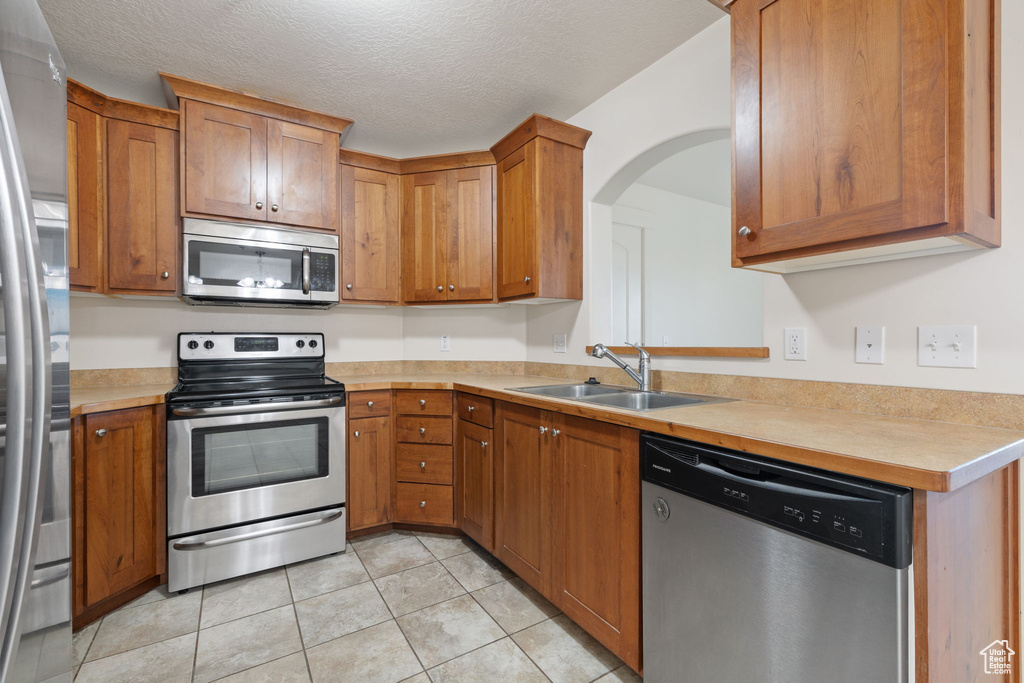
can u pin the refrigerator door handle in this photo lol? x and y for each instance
(22, 280)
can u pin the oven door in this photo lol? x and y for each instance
(249, 263)
(228, 469)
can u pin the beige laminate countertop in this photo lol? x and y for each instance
(936, 456)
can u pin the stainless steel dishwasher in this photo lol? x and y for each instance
(757, 570)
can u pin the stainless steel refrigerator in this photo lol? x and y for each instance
(35, 491)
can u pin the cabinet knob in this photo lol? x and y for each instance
(451, 288)
(423, 430)
(165, 275)
(440, 288)
(556, 432)
(543, 430)
(369, 404)
(259, 205)
(423, 402)
(423, 503)
(483, 444)
(101, 432)
(526, 279)
(423, 465)
(273, 207)
(357, 434)
(744, 231)
(348, 286)
(471, 408)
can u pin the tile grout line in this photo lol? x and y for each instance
(199, 624)
(298, 625)
(400, 629)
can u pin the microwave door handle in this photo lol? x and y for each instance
(305, 271)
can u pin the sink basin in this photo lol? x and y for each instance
(575, 391)
(650, 400)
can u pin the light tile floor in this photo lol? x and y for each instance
(398, 606)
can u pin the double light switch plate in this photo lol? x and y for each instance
(948, 346)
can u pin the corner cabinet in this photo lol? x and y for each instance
(540, 211)
(865, 130)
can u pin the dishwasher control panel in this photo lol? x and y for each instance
(860, 516)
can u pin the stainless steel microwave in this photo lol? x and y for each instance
(254, 265)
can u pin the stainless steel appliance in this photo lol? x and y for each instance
(35, 541)
(756, 570)
(255, 456)
(253, 265)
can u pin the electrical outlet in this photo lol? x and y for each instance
(949, 346)
(796, 343)
(559, 343)
(870, 344)
(446, 342)
(664, 340)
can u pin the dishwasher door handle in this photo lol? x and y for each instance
(779, 483)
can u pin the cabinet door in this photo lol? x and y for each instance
(523, 468)
(302, 175)
(517, 243)
(424, 271)
(142, 213)
(85, 198)
(123, 507)
(840, 114)
(370, 234)
(596, 524)
(474, 488)
(471, 234)
(369, 472)
(225, 161)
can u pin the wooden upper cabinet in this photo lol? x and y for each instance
(142, 220)
(86, 198)
(863, 127)
(370, 234)
(540, 211)
(225, 161)
(470, 234)
(302, 168)
(424, 252)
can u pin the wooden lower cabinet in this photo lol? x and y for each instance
(119, 506)
(423, 484)
(370, 472)
(474, 485)
(567, 518)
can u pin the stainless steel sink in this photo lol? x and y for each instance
(650, 400)
(573, 391)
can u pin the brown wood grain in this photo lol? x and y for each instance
(424, 504)
(186, 88)
(437, 463)
(445, 162)
(123, 110)
(423, 402)
(424, 240)
(474, 486)
(372, 162)
(369, 459)
(86, 143)
(224, 160)
(695, 351)
(437, 430)
(539, 126)
(302, 172)
(470, 233)
(475, 409)
(370, 235)
(517, 232)
(368, 404)
(142, 218)
(559, 216)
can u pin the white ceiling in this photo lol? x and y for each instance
(419, 77)
(702, 172)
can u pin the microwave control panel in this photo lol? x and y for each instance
(322, 272)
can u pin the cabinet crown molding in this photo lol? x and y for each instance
(722, 4)
(178, 87)
(540, 126)
(113, 108)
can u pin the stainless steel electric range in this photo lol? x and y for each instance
(255, 456)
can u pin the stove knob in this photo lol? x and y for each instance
(312, 343)
(300, 343)
(193, 345)
(207, 345)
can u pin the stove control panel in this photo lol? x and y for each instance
(242, 346)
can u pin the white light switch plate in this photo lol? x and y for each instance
(559, 343)
(796, 343)
(948, 346)
(446, 342)
(870, 344)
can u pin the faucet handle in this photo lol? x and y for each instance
(641, 350)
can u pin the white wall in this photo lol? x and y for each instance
(687, 91)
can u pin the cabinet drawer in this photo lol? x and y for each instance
(423, 402)
(475, 409)
(368, 404)
(424, 504)
(412, 429)
(423, 463)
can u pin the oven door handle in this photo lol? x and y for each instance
(306, 285)
(191, 544)
(256, 407)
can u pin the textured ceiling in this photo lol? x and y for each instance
(418, 76)
(702, 172)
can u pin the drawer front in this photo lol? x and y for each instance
(411, 402)
(424, 464)
(424, 504)
(368, 404)
(412, 429)
(475, 409)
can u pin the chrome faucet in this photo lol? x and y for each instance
(642, 376)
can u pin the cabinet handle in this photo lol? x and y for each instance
(357, 434)
(101, 432)
(483, 444)
(369, 404)
(440, 288)
(259, 205)
(526, 279)
(273, 207)
(423, 430)
(423, 503)
(556, 432)
(423, 402)
(543, 430)
(744, 231)
(165, 275)
(451, 288)
(423, 465)
(471, 408)
(349, 286)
